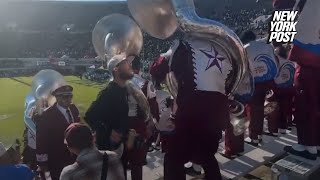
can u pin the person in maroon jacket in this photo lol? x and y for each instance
(283, 4)
(287, 5)
(306, 53)
(52, 154)
(158, 70)
(136, 157)
(283, 92)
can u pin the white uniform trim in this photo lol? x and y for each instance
(211, 66)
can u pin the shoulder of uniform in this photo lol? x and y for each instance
(49, 110)
(73, 106)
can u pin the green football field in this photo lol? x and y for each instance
(12, 97)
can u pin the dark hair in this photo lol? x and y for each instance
(247, 36)
(79, 136)
(136, 64)
(282, 52)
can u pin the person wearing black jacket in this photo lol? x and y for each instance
(108, 114)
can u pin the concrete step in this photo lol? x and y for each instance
(252, 158)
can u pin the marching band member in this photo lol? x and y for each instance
(29, 151)
(288, 4)
(306, 53)
(283, 91)
(52, 154)
(195, 123)
(234, 145)
(283, 4)
(167, 107)
(205, 67)
(264, 70)
(158, 71)
(33, 110)
(136, 157)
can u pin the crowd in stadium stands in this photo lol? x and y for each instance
(242, 19)
(44, 45)
(17, 73)
(30, 72)
(11, 64)
(79, 45)
(98, 75)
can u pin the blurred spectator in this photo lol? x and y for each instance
(91, 163)
(10, 167)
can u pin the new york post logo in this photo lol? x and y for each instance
(283, 26)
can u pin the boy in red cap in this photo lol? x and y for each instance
(90, 163)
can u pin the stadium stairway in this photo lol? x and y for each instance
(252, 158)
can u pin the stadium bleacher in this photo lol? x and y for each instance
(35, 29)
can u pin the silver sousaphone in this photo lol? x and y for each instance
(181, 13)
(161, 18)
(40, 98)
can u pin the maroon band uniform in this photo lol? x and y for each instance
(51, 150)
(203, 110)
